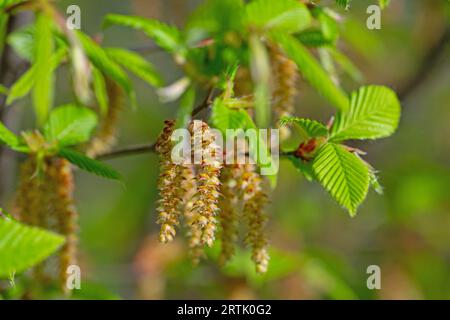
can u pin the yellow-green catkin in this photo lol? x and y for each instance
(228, 215)
(194, 234)
(106, 136)
(205, 205)
(285, 78)
(45, 199)
(169, 185)
(60, 179)
(255, 199)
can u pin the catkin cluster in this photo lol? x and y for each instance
(45, 199)
(210, 196)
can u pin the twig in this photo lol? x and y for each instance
(130, 150)
(427, 66)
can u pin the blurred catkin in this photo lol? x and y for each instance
(169, 185)
(285, 78)
(205, 205)
(228, 215)
(255, 199)
(106, 136)
(45, 199)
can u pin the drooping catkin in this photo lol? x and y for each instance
(205, 205)
(255, 199)
(228, 215)
(45, 199)
(169, 185)
(61, 186)
(285, 77)
(194, 234)
(106, 136)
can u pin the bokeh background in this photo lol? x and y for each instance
(318, 251)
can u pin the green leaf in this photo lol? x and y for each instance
(22, 247)
(343, 174)
(106, 65)
(311, 128)
(374, 113)
(282, 15)
(328, 24)
(7, 3)
(260, 69)
(136, 64)
(166, 36)
(90, 165)
(101, 92)
(312, 71)
(384, 3)
(303, 166)
(22, 40)
(313, 38)
(187, 103)
(8, 137)
(343, 3)
(70, 125)
(4, 90)
(26, 82)
(43, 88)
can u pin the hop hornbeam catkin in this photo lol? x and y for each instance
(45, 199)
(106, 136)
(228, 215)
(285, 77)
(205, 205)
(255, 200)
(169, 182)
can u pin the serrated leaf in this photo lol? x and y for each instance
(8, 137)
(101, 93)
(26, 82)
(106, 65)
(313, 38)
(166, 36)
(43, 88)
(312, 71)
(374, 113)
(282, 15)
(90, 165)
(136, 64)
(343, 3)
(21, 247)
(70, 125)
(260, 70)
(344, 175)
(304, 167)
(311, 128)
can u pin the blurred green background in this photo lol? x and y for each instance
(318, 251)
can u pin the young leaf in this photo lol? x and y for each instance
(343, 3)
(313, 38)
(343, 174)
(310, 127)
(70, 125)
(282, 15)
(26, 82)
(312, 71)
(304, 167)
(90, 165)
(260, 69)
(43, 88)
(165, 36)
(8, 137)
(21, 247)
(136, 64)
(106, 65)
(100, 90)
(374, 113)
(7, 3)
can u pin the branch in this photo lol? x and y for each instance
(427, 66)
